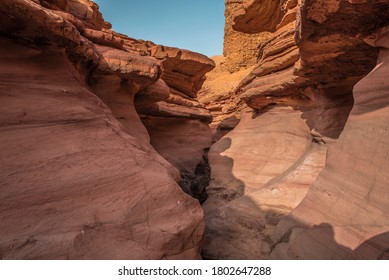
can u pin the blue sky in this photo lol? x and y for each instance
(197, 25)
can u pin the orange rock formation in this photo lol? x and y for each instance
(266, 197)
(103, 136)
(80, 179)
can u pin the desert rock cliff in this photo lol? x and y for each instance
(344, 214)
(266, 197)
(119, 148)
(80, 179)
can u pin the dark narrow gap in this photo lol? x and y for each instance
(196, 184)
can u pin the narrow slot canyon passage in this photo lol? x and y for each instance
(115, 147)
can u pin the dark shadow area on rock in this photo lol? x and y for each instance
(318, 242)
(224, 127)
(195, 183)
(332, 108)
(375, 248)
(237, 227)
(184, 143)
(320, 245)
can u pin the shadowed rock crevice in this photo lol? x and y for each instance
(310, 65)
(359, 185)
(256, 181)
(101, 133)
(80, 175)
(184, 143)
(195, 184)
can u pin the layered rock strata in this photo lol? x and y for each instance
(80, 178)
(218, 96)
(308, 63)
(177, 122)
(260, 172)
(311, 55)
(240, 49)
(345, 213)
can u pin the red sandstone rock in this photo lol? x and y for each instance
(260, 172)
(85, 10)
(184, 144)
(344, 215)
(139, 71)
(158, 91)
(239, 49)
(218, 94)
(128, 205)
(256, 16)
(300, 64)
(322, 60)
(308, 79)
(75, 185)
(103, 37)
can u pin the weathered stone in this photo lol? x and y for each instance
(254, 16)
(90, 186)
(140, 71)
(310, 56)
(344, 215)
(240, 49)
(261, 170)
(77, 184)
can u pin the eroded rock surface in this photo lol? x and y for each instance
(80, 177)
(185, 144)
(260, 172)
(218, 96)
(344, 215)
(240, 49)
(99, 130)
(310, 56)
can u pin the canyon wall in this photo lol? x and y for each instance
(266, 197)
(240, 49)
(80, 179)
(345, 213)
(101, 135)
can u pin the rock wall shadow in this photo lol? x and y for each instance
(238, 228)
(375, 248)
(318, 242)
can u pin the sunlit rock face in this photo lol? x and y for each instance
(260, 172)
(218, 96)
(345, 213)
(80, 179)
(266, 197)
(240, 49)
(310, 60)
(102, 135)
(239, 57)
